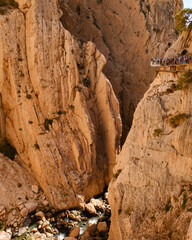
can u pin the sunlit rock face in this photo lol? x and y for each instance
(128, 33)
(151, 189)
(57, 107)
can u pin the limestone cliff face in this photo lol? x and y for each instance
(150, 194)
(17, 196)
(58, 109)
(128, 33)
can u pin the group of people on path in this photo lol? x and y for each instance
(171, 61)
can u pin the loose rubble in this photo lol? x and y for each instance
(90, 222)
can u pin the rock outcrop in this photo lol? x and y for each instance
(150, 194)
(128, 33)
(183, 46)
(57, 107)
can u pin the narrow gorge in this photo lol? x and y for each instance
(82, 111)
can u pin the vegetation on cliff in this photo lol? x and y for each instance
(7, 4)
(184, 20)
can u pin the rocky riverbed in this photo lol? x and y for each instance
(92, 221)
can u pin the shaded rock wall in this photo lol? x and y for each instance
(59, 110)
(128, 33)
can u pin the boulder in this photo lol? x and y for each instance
(40, 214)
(73, 216)
(45, 203)
(24, 212)
(5, 236)
(35, 188)
(74, 232)
(98, 204)
(31, 206)
(90, 208)
(102, 228)
(91, 230)
(49, 235)
(106, 195)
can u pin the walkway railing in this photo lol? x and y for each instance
(172, 61)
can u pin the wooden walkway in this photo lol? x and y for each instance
(171, 68)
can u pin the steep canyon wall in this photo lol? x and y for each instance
(58, 109)
(150, 194)
(128, 33)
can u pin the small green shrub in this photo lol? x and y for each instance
(72, 107)
(183, 20)
(86, 82)
(19, 185)
(30, 122)
(182, 190)
(169, 90)
(148, 7)
(2, 226)
(185, 80)
(117, 173)
(128, 211)
(174, 87)
(153, 218)
(47, 122)
(157, 132)
(178, 119)
(36, 145)
(144, 13)
(175, 199)
(7, 4)
(119, 211)
(21, 74)
(168, 205)
(61, 112)
(20, 59)
(6, 148)
(115, 12)
(184, 201)
(28, 96)
(156, 29)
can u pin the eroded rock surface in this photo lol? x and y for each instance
(16, 196)
(150, 194)
(128, 33)
(58, 109)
